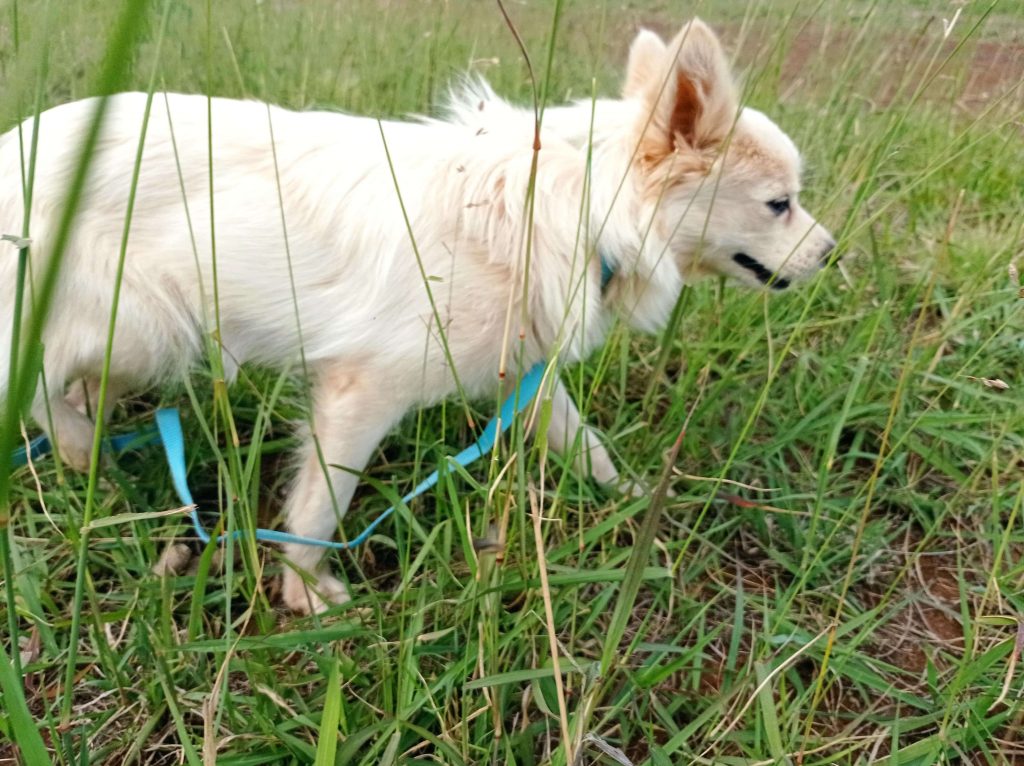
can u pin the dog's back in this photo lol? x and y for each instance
(304, 245)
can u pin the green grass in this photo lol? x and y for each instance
(826, 583)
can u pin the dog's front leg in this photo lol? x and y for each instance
(591, 459)
(351, 414)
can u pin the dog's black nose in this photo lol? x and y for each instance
(826, 259)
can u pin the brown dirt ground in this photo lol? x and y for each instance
(985, 69)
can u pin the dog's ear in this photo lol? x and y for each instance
(692, 100)
(648, 58)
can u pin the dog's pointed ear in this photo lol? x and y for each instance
(648, 57)
(692, 100)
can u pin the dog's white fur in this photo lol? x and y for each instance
(679, 183)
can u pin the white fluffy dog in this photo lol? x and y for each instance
(309, 248)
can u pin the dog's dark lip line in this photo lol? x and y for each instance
(765, 275)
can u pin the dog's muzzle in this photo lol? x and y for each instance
(764, 275)
(826, 259)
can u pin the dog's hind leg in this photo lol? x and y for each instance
(84, 396)
(351, 414)
(69, 430)
(69, 418)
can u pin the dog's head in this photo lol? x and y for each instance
(720, 185)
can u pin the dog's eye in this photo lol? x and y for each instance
(779, 206)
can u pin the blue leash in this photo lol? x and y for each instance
(40, 446)
(169, 425)
(168, 432)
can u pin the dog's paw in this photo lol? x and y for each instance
(315, 597)
(76, 457)
(173, 561)
(633, 488)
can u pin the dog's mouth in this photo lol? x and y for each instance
(764, 275)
